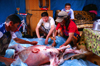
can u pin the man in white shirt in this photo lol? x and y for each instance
(68, 10)
(7, 33)
(46, 25)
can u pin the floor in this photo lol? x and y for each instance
(94, 58)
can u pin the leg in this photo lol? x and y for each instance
(75, 40)
(17, 47)
(54, 60)
(42, 30)
(80, 55)
(76, 56)
(72, 51)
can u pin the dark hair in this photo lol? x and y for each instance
(44, 14)
(67, 4)
(67, 21)
(14, 18)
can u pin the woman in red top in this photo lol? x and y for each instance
(67, 29)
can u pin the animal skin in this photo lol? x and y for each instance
(38, 55)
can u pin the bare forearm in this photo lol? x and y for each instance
(22, 41)
(68, 41)
(7, 61)
(37, 32)
(2, 59)
(50, 32)
(69, 38)
(55, 35)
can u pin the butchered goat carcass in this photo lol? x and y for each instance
(38, 55)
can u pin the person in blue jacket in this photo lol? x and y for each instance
(7, 33)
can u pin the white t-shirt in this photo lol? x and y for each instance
(71, 13)
(48, 24)
(13, 35)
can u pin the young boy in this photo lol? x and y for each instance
(68, 10)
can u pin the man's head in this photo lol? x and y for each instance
(45, 16)
(67, 6)
(12, 22)
(61, 17)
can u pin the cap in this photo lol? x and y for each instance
(61, 16)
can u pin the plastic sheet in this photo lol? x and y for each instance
(76, 62)
(18, 62)
(18, 34)
(41, 41)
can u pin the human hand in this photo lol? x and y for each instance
(46, 41)
(34, 42)
(54, 44)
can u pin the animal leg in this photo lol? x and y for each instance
(54, 61)
(17, 47)
(76, 56)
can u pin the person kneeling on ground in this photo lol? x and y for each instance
(67, 29)
(46, 25)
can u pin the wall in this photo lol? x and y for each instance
(75, 4)
(8, 7)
